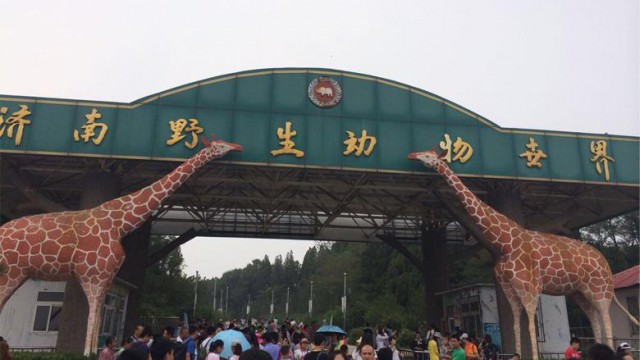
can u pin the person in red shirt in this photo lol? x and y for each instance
(572, 352)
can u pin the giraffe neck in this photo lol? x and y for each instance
(483, 215)
(135, 208)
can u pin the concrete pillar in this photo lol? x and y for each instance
(136, 246)
(506, 199)
(98, 188)
(434, 269)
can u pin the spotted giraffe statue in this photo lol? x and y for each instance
(86, 244)
(532, 262)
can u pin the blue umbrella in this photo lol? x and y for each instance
(330, 329)
(229, 337)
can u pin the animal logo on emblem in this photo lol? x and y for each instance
(324, 92)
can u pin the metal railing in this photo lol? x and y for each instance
(408, 354)
(33, 349)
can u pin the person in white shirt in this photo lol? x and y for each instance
(382, 339)
(303, 350)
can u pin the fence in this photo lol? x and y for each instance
(33, 349)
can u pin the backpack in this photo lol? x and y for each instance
(203, 351)
(180, 350)
(491, 352)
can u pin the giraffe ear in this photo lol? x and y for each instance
(205, 141)
(443, 153)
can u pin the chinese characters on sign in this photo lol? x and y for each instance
(89, 129)
(533, 155)
(14, 124)
(287, 144)
(358, 144)
(462, 151)
(179, 128)
(600, 156)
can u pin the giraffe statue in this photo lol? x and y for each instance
(86, 244)
(532, 262)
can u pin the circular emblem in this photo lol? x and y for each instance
(324, 92)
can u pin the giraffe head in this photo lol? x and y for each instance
(220, 147)
(429, 158)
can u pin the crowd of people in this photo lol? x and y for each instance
(295, 341)
(461, 346)
(290, 341)
(456, 346)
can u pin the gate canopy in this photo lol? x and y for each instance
(319, 145)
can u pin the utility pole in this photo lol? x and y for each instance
(311, 300)
(249, 309)
(271, 309)
(226, 303)
(195, 296)
(220, 309)
(286, 307)
(344, 304)
(215, 284)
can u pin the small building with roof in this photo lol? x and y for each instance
(627, 287)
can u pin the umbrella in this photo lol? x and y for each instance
(330, 329)
(229, 337)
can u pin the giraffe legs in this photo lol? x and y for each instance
(9, 283)
(516, 310)
(95, 290)
(530, 309)
(590, 311)
(603, 307)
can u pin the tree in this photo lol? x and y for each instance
(166, 288)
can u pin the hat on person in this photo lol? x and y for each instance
(437, 334)
(464, 336)
(293, 323)
(625, 346)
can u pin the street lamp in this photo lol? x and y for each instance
(226, 303)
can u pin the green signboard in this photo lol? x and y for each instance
(312, 118)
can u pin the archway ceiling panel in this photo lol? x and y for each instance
(261, 201)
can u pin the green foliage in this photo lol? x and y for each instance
(51, 356)
(405, 338)
(383, 287)
(616, 239)
(355, 334)
(167, 290)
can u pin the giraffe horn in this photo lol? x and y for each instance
(213, 137)
(205, 141)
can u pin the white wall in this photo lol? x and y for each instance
(16, 319)
(554, 316)
(556, 324)
(489, 305)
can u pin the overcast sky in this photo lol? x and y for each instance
(555, 65)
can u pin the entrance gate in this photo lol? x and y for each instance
(325, 157)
